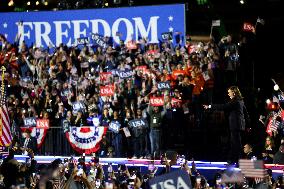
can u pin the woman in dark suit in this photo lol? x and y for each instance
(236, 110)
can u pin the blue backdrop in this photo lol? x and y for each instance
(54, 27)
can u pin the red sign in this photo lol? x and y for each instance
(176, 73)
(248, 27)
(42, 123)
(105, 77)
(107, 90)
(157, 101)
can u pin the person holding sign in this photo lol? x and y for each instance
(156, 116)
(115, 128)
(139, 129)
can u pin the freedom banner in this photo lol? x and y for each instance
(138, 123)
(157, 101)
(30, 122)
(107, 90)
(114, 126)
(42, 123)
(44, 28)
(85, 139)
(164, 86)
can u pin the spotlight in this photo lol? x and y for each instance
(37, 2)
(11, 3)
(242, 2)
(106, 4)
(45, 3)
(276, 87)
(268, 101)
(28, 3)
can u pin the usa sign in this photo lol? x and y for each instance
(46, 28)
(107, 90)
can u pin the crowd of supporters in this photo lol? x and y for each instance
(78, 174)
(63, 83)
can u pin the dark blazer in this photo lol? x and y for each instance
(32, 144)
(235, 108)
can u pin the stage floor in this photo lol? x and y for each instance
(208, 169)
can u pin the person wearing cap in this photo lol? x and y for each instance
(28, 142)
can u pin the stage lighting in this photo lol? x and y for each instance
(106, 4)
(268, 101)
(242, 2)
(45, 3)
(28, 3)
(37, 2)
(11, 3)
(276, 87)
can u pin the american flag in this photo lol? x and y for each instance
(252, 168)
(5, 131)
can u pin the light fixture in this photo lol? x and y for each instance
(242, 2)
(28, 3)
(268, 101)
(37, 2)
(45, 3)
(276, 87)
(106, 4)
(11, 3)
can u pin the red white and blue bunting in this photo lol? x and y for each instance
(85, 139)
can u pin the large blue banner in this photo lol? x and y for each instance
(55, 27)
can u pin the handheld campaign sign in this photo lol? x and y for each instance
(83, 41)
(164, 86)
(30, 122)
(138, 123)
(114, 126)
(167, 36)
(175, 180)
(78, 106)
(55, 27)
(42, 123)
(99, 40)
(125, 74)
(107, 90)
(156, 101)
